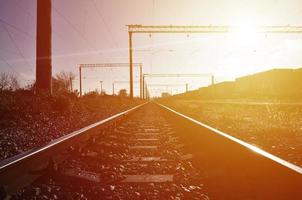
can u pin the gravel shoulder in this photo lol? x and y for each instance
(26, 124)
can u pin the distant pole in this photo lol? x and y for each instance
(113, 89)
(143, 86)
(70, 80)
(146, 92)
(43, 47)
(141, 81)
(212, 80)
(101, 87)
(131, 65)
(80, 72)
(187, 87)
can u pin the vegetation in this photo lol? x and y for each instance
(8, 82)
(28, 120)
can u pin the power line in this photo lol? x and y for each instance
(8, 51)
(5, 26)
(104, 22)
(17, 47)
(12, 68)
(32, 16)
(33, 37)
(57, 33)
(17, 3)
(18, 29)
(74, 28)
(65, 19)
(110, 33)
(153, 8)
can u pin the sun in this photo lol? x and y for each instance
(243, 43)
(245, 36)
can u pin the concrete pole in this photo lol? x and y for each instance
(71, 88)
(131, 65)
(146, 92)
(43, 47)
(143, 85)
(113, 89)
(141, 81)
(80, 75)
(212, 80)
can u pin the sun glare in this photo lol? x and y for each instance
(245, 35)
(243, 41)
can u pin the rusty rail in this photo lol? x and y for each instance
(21, 170)
(234, 168)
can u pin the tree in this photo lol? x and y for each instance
(4, 81)
(62, 82)
(8, 82)
(122, 93)
(14, 82)
(165, 94)
(103, 93)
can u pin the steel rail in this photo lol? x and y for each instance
(245, 144)
(18, 163)
(236, 169)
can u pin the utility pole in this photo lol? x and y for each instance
(212, 80)
(141, 81)
(146, 92)
(70, 80)
(43, 47)
(113, 89)
(167, 86)
(121, 82)
(171, 75)
(101, 87)
(131, 67)
(135, 28)
(80, 72)
(113, 65)
(143, 86)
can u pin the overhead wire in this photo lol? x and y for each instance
(105, 23)
(32, 16)
(12, 39)
(74, 28)
(108, 30)
(55, 32)
(77, 31)
(16, 46)
(152, 42)
(6, 24)
(13, 69)
(18, 29)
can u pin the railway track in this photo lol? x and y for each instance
(149, 152)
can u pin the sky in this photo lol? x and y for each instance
(94, 31)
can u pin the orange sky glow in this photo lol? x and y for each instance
(94, 31)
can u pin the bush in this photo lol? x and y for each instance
(61, 103)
